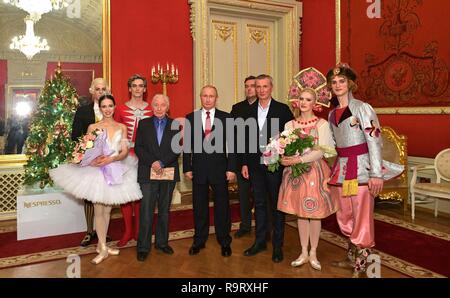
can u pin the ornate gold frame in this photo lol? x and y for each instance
(14, 160)
(385, 111)
(399, 193)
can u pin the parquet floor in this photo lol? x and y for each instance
(210, 264)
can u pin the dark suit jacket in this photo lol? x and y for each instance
(207, 167)
(148, 151)
(84, 117)
(276, 110)
(240, 110)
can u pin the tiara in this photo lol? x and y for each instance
(311, 78)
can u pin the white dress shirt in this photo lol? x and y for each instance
(98, 114)
(211, 115)
(262, 114)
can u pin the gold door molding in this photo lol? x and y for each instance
(285, 14)
(224, 60)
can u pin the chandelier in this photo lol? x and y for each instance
(29, 44)
(36, 8)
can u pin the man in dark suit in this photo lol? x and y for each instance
(207, 162)
(85, 116)
(154, 149)
(240, 110)
(270, 116)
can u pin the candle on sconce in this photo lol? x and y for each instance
(158, 67)
(176, 71)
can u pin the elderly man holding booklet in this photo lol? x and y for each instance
(157, 175)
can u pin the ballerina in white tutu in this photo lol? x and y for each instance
(108, 179)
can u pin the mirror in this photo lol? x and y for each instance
(78, 37)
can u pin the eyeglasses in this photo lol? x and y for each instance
(140, 85)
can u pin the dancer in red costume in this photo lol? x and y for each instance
(130, 114)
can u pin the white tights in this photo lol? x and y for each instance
(102, 214)
(309, 231)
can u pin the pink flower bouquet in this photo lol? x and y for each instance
(86, 146)
(288, 143)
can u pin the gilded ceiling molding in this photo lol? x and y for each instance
(270, 6)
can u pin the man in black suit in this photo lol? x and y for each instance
(270, 116)
(85, 116)
(240, 110)
(154, 149)
(207, 162)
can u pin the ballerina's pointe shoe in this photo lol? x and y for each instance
(302, 259)
(111, 251)
(314, 262)
(100, 257)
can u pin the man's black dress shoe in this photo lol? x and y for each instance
(141, 256)
(256, 248)
(239, 233)
(108, 238)
(165, 249)
(226, 251)
(88, 239)
(277, 255)
(195, 249)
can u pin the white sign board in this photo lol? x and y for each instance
(49, 214)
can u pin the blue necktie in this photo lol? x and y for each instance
(159, 131)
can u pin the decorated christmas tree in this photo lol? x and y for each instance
(49, 142)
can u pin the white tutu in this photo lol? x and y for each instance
(89, 183)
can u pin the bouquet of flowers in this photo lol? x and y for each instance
(86, 147)
(288, 143)
(93, 145)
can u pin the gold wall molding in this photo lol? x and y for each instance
(223, 31)
(265, 32)
(192, 18)
(285, 14)
(258, 35)
(338, 30)
(106, 21)
(414, 110)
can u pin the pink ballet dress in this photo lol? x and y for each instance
(307, 196)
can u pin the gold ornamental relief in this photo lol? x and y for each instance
(224, 32)
(258, 35)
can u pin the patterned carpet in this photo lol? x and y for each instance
(400, 255)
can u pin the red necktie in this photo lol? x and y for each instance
(207, 125)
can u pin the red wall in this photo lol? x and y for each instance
(427, 134)
(147, 32)
(318, 42)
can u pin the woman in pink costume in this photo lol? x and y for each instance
(307, 196)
